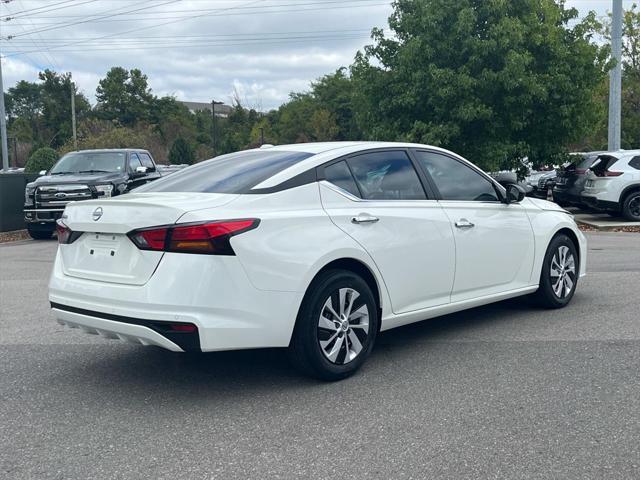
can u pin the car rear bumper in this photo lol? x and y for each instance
(595, 202)
(211, 292)
(129, 332)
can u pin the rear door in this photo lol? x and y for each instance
(494, 241)
(378, 199)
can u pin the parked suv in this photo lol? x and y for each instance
(613, 184)
(83, 175)
(571, 179)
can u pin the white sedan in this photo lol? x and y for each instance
(314, 247)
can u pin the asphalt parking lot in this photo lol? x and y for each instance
(503, 391)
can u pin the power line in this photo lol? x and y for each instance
(24, 15)
(46, 6)
(254, 43)
(89, 20)
(170, 13)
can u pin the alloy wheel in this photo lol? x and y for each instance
(343, 326)
(634, 206)
(563, 272)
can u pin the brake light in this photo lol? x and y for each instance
(580, 171)
(210, 238)
(65, 234)
(609, 173)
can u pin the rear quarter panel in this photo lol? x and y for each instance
(294, 241)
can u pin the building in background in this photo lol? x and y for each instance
(222, 110)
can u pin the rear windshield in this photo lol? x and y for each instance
(587, 161)
(233, 173)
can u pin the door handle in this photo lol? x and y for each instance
(464, 223)
(364, 218)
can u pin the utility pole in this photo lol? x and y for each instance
(3, 124)
(213, 125)
(615, 78)
(73, 115)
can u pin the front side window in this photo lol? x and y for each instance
(455, 180)
(233, 173)
(386, 176)
(90, 162)
(134, 162)
(146, 160)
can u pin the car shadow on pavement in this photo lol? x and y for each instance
(140, 369)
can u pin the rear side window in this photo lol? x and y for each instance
(635, 162)
(386, 176)
(340, 175)
(234, 173)
(455, 180)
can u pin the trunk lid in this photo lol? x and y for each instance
(104, 252)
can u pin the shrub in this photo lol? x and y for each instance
(181, 152)
(42, 159)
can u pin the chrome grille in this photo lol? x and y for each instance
(59, 195)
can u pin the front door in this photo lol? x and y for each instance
(378, 199)
(494, 241)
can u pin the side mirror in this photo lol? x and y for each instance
(42, 172)
(515, 193)
(505, 178)
(140, 171)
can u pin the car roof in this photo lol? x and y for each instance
(106, 150)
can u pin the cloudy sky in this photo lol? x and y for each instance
(196, 50)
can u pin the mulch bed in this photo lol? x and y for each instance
(14, 236)
(588, 228)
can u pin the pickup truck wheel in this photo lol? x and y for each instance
(631, 206)
(40, 234)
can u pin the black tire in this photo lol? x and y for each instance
(546, 296)
(40, 234)
(305, 351)
(631, 206)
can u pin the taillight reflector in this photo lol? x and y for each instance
(208, 237)
(609, 173)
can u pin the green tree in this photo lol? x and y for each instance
(631, 79)
(323, 126)
(492, 80)
(42, 159)
(181, 152)
(118, 137)
(56, 107)
(334, 93)
(124, 96)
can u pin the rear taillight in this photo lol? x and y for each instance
(580, 171)
(210, 238)
(609, 173)
(65, 234)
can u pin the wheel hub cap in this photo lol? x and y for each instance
(343, 326)
(562, 272)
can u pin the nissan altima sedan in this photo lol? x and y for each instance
(313, 247)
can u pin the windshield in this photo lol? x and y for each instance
(90, 162)
(233, 173)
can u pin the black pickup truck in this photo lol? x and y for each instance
(83, 175)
